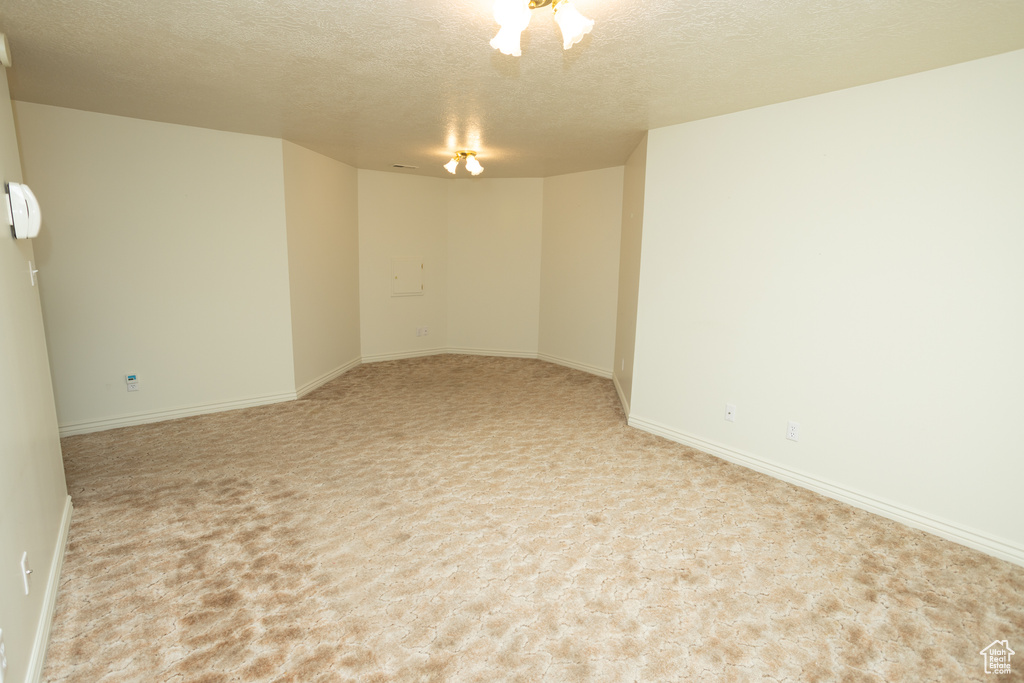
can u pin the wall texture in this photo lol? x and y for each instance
(851, 262)
(165, 255)
(579, 269)
(323, 264)
(629, 270)
(494, 236)
(34, 506)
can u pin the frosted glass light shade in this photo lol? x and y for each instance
(573, 24)
(513, 16)
(452, 165)
(507, 41)
(473, 166)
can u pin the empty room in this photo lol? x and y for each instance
(499, 340)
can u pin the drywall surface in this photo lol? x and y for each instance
(580, 268)
(524, 267)
(402, 217)
(164, 254)
(494, 237)
(33, 494)
(323, 263)
(852, 262)
(629, 269)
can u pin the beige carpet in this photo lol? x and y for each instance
(460, 518)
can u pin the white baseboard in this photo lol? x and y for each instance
(327, 377)
(622, 395)
(402, 355)
(606, 374)
(500, 353)
(87, 426)
(600, 372)
(958, 533)
(42, 641)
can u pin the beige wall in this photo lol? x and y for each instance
(494, 237)
(523, 267)
(852, 262)
(33, 496)
(323, 264)
(165, 255)
(579, 269)
(402, 216)
(229, 270)
(629, 270)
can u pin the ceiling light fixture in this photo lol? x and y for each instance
(513, 16)
(472, 165)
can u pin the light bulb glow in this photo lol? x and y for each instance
(573, 24)
(507, 42)
(473, 166)
(513, 16)
(452, 164)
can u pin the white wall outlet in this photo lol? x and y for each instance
(26, 571)
(3, 657)
(422, 331)
(730, 412)
(132, 381)
(793, 431)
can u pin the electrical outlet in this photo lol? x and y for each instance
(132, 381)
(793, 431)
(422, 331)
(730, 412)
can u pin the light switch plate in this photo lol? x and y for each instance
(26, 571)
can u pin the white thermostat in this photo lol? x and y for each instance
(22, 211)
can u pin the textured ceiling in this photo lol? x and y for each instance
(374, 83)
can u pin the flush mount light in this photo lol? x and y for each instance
(472, 165)
(513, 16)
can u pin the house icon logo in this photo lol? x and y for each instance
(997, 657)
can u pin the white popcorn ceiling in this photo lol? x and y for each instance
(375, 83)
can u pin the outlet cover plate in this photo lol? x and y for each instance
(793, 431)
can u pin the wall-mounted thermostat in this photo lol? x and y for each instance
(22, 211)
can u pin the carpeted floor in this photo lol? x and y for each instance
(459, 518)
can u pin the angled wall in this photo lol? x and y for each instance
(34, 505)
(494, 238)
(230, 270)
(402, 217)
(517, 267)
(579, 269)
(629, 270)
(851, 262)
(165, 255)
(323, 265)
